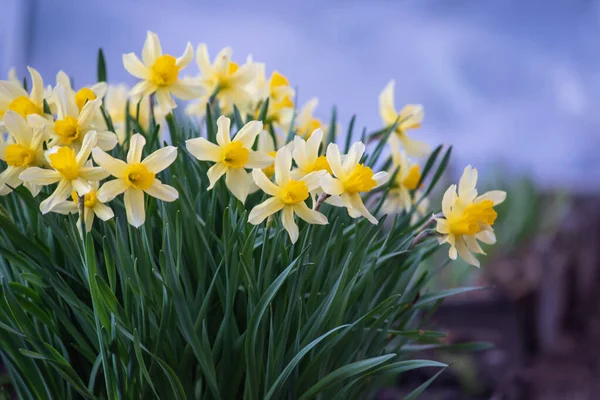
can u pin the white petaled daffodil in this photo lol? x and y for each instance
(305, 123)
(231, 156)
(267, 145)
(92, 208)
(159, 73)
(468, 218)
(410, 117)
(306, 155)
(70, 170)
(281, 105)
(12, 75)
(136, 177)
(228, 81)
(15, 98)
(409, 174)
(351, 179)
(23, 151)
(83, 95)
(73, 124)
(288, 195)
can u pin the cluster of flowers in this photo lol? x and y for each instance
(73, 127)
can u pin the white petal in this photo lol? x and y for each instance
(331, 185)
(238, 182)
(111, 189)
(283, 163)
(81, 186)
(188, 55)
(353, 157)
(264, 183)
(136, 145)
(62, 192)
(359, 206)
(472, 244)
(247, 135)
(310, 216)
(89, 142)
(103, 211)
(160, 159)
(467, 183)
(314, 143)
(37, 86)
(93, 173)
(114, 166)
(203, 60)
(335, 161)
(214, 173)
(106, 140)
(203, 150)
(88, 215)
(152, 49)
(88, 112)
(164, 99)
(448, 200)
(381, 178)
(134, 206)
(162, 192)
(265, 209)
(18, 128)
(40, 176)
(223, 130)
(142, 89)
(464, 253)
(65, 207)
(313, 179)
(135, 67)
(185, 89)
(287, 218)
(443, 226)
(386, 104)
(415, 148)
(258, 159)
(487, 237)
(496, 196)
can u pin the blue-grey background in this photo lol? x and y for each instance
(508, 82)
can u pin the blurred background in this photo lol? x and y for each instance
(513, 85)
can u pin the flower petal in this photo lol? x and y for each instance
(265, 209)
(135, 67)
(287, 218)
(223, 130)
(111, 189)
(247, 135)
(103, 211)
(65, 207)
(386, 104)
(62, 192)
(496, 196)
(203, 60)
(335, 160)
(487, 237)
(160, 159)
(106, 140)
(37, 86)
(88, 112)
(331, 185)
(258, 159)
(467, 183)
(93, 173)
(359, 206)
(238, 182)
(151, 50)
(353, 157)
(142, 89)
(203, 150)
(162, 192)
(81, 186)
(472, 244)
(283, 163)
(310, 216)
(40, 176)
(18, 128)
(381, 178)
(443, 226)
(448, 200)
(188, 55)
(214, 173)
(413, 147)
(164, 99)
(465, 254)
(313, 179)
(113, 165)
(185, 89)
(89, 142)
(136, 146)
(264, 183)
(134, 207)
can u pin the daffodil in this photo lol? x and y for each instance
(12, 75)
(92, 207)
(83, 95)
(73, 124)
(468, 218)
(306, 155)
(224, 78)
(281, 104)
(14, 97)
(399, 197)
(231, 156)
(267, 145)
(136, 177)
(24, 151)
(410, 117)
(350, 179)
(288, 195)
(70, 170)
(305, 123)
(159, 73)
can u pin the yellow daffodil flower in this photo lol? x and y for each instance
(24, 151)
(351, 179)
(224, 77)
(399, 197)
(288, 195)
(159, 73)
(14, 97)
(306, 155)
(468, 218)
(305, 123)
(281, 104)
(136, 177)
(83, 95)
(69, 170)
(410, 117)
(267, 145)
(92, 208)
(231, 156)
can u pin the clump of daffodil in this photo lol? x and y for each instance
(13, 97)
(136, 177)
(231, 156)
(468, 218)
(306, 155)
(92, 207)
(23, 151)
(410, 117)
(73, 124)
(350, 179)
(70, 170)
(288, 195)
(159, 73)
(225, 79)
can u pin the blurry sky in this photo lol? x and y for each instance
(508, 82)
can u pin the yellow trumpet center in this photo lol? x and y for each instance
(234, 154)
(278, 80)
(412, 179)
(24, 106)
(138, 176)
(83, 96)
(65, 162)
(164, 71)
(89, 200)
(294, 192)
(270, 170)
(67, 130)
(359, 180)
(320, 164)
(311, 125)
(472, 218)
(17, 155)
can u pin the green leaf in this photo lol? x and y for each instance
(419, 391)
(101, 66)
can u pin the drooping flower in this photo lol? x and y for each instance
(468, 218)
(351, 179)
(73, 124)
(288, 195)
(23, 151)
(399, 197)
(92, 208)
(159, 74)
(70, 170)
(410, 117)
(231, 156)
(14, 97)
(136, 177)
(225, 79)
(306, 155)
